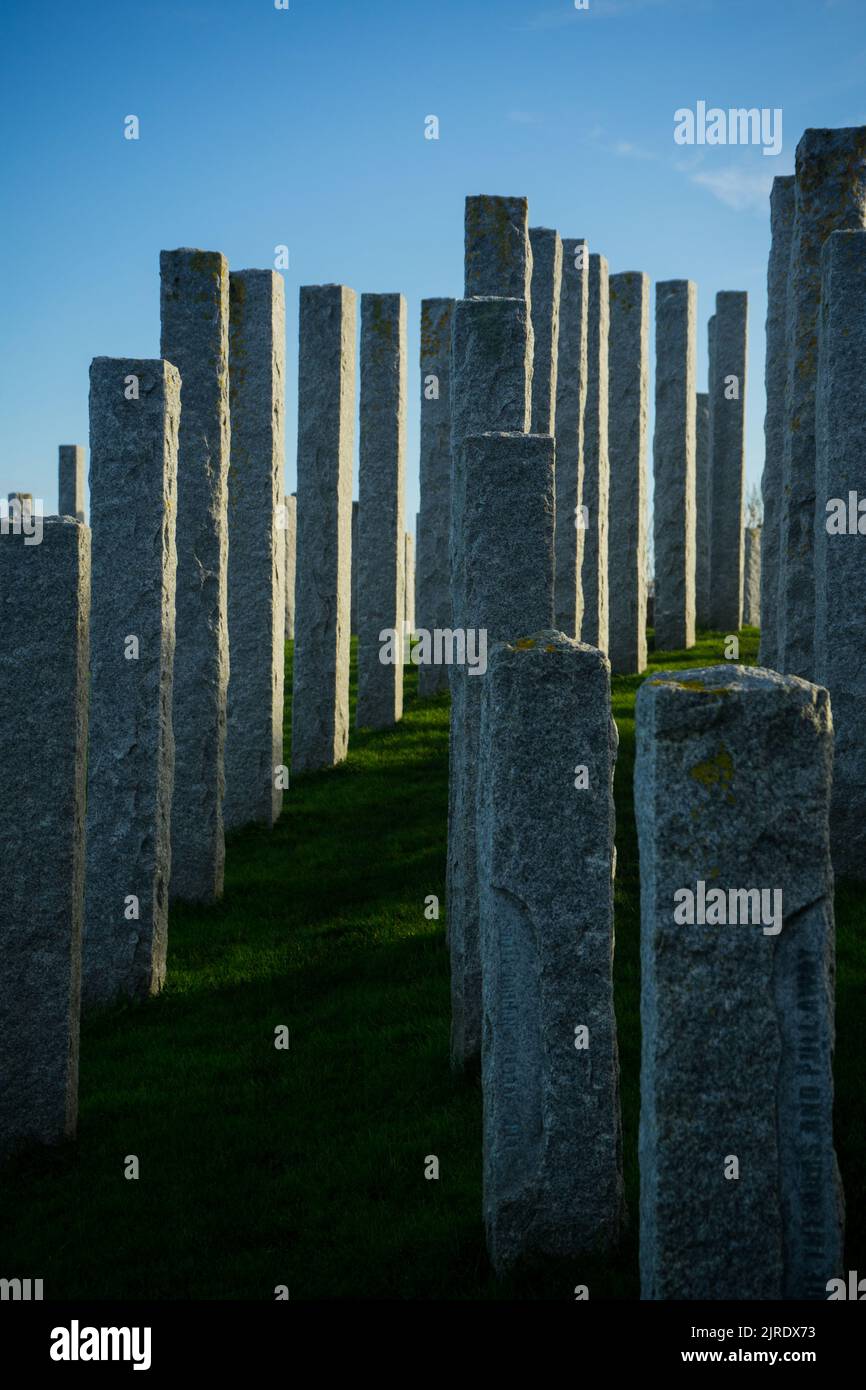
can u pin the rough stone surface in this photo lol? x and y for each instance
(508, 533)
(354, 621)
(195, 327)
(732, 787)
(409, 587)
(752, 577)
(703, 509)
(840, 557)
(728, 461)
(326, 423)
(546, 283)
(257, 558)
(130, 767)
(553, 1183)
(571, 381)
(434, 592)
(674, 464)
(775, 376)
(497, 250)
(70, 481)
(381, 495)
(596, 475)
(628, 375)
(830, 196)
(290, 543)
(44, 605)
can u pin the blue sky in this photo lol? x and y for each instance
(306, 127)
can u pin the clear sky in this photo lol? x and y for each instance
(305, 127)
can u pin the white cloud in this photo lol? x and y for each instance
(740, 189)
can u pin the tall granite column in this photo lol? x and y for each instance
(703, 509)
(775, 380)
(674, 464)
(130, 766)
(381, 493)
(195, 323)
(740, 1194)
(257, 561)
(545, 291)
(409, 584)
(326, 421)
(354, 596)
(44, 604)
(596, 474)
(729, 461)
(290, 555)
(571, 384)
(553, 1184)
(830, 196)
(752, 576)
(627, 446)
(434, 591)
(70, 481)
(497, 253)
(840, 534)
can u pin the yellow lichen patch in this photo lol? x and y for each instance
(715, 772)
(525, 643)
(696, 685)
(550, 647)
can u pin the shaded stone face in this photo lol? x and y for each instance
(775, 374)
(550, 1071)
(497, 251)
(326, 424)
(571, 386)
(674, 465)
(740, 1196)
(131, 761)
(45, 602)
(70, 481)
(290, 553)
(434, 526)
(546, 282)
(194, 304)
(596, 476)
(752, 579)
(627, 446)
(703, 509)
(728, 460)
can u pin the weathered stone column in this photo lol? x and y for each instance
(70, 481)
(830, 196)
(326, 422)
(381, 492)
(546, 282)
(354, 623)
(596, 475)
(44, 606)
(571, 382)
(840, 544)
(130, 766)
(674, 464)
(409, 584)
(728, 461)
(627, 447)
(509, 581)
(550, 1066)
(195, 324)
(775, 380)
(256, 596)
(740, 1195)
(497, 251)
(434, 591)
(703, 509)
(290, 555)
(752, 577)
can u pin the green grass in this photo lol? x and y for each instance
(262, 1167)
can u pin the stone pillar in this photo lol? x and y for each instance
(550, 1066)
(752, 577)
(740, 1195)
(703, 509)
(509, 582)
(840, 546)
(195, 325)
(497, 250)
(409, 585)
(70, 481)
(354, 600)
(434, 592)
(546, 282)
(381, 492)
(131, 760)
(775, 374)
(627, 447)
(20, 505)
(830, 196)
(326, 421)
(674, 464)
(44, 603)
(290, 554)
(729, 461)
(257, 557)
(596, 476)
(571, 382)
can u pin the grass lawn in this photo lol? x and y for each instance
(305, 1167)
